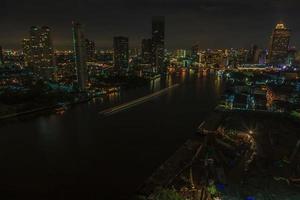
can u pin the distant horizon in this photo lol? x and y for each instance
(211, 24)
(67, 44)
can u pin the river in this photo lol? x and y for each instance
(83, 155)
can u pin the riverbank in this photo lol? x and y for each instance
(227, 160)
(41, 110)
(82, 155)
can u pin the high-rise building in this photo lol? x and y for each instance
(90, 50)
(26, 52)
(279, 44)
(253, 54)
(262, 60)
(158, 44)
(195, 53)
(121, 53)
(291, 57)
(146, 51)
(79, 45)
(1, 56)
(38, 52)
(181, 53)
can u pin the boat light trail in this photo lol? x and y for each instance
(136, 102)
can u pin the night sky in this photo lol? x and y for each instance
(210, 23)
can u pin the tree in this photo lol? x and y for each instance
(167, 194)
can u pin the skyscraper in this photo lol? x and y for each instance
(195, 53)
(279, 44)
(79, 46)
(252, 55)
(1, 56)
(48, 60)
(90, 50)
(38, 52)
(27, 52)
(158, 44)
(121, 53)
(146, 51)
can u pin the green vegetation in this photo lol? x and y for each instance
(167, 194)
(162, 194)
(295, 114)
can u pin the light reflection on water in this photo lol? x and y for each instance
(48, 128)
(155, 85)
(83, 148)
(114, 97)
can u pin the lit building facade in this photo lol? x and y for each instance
(279, 44)
(195, 53)
(79, 46)
(1, 56)
(213, 58)
(146, 51)
(158, 44)
(90, 50)
(38, 52)
(121, 53)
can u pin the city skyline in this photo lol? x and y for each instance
(150, 99)
(213, 24)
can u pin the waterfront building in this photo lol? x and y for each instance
(146, 51)
(279, 44)
(291, 56)
(253, 55)
(213, 58)
(38, 52)
(121, 53)
(181, 53)
(195, 53)
(158, 44)
(79, 46)
(262, 60)
(26, 52)
(90, 50)
(1, 56)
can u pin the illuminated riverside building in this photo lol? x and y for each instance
(213, 58)
(291, 56)
(262, 60)
(253, 55)
(80, 56)
(26, 52)
(90, 50)
(121, 53)
(1, 56)
(195, 53)
(158, 44)
(38, 52)
(237, 57)
(279, 44)
(181, 53)
(146, 51)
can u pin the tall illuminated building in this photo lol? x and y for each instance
(146, 51)
(252, 55)
(79, 45)
(158, 44)
(90, 50)
(195, 53)
(279, 44)
(27, 52)
(1, 56)
(38, 52)
(121, 53)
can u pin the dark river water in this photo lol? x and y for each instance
(81, 155)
